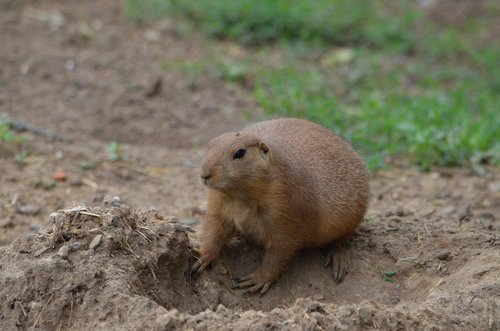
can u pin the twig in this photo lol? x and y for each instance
(153, 273)
(23, 126)
(41, 312)
(90, 183)
(176, 291)
(70, 312)
(22, 309)
(142, 172)
(145, 228)
(143, 235)
(130, 250)
(90, 214)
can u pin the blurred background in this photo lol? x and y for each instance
(412, 78)
(120, 96)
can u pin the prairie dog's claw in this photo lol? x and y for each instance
(253, 283)
(198, 267)
(338, 259)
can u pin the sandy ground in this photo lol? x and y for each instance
(78, 70)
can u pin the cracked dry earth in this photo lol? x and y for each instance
(427, 256)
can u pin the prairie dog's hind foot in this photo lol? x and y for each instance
(338, 259)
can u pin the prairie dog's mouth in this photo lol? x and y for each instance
(213, 184)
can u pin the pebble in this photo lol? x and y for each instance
(220, 309)
(443, 255)
(189, 221)
(447, 211)
(78, 209)
(95, 242)
(75, 182)
(115, 202)
(318, 297)
(487, 216)
(75, 245)
(345, 311)
(29, 209)
(465, 212)
(40, 251)
(365, 315)
(494, 186)
(152, 36)
(35, 227)
(63, 251)
(401, 212)
(55, 217)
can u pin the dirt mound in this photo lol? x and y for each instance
(112, 267)
(85, 272)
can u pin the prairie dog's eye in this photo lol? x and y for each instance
(239, 154)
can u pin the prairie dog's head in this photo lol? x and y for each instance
(235, 161)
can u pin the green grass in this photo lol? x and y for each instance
(7, 135)
(433, 127)
(255, 22)
(390, 87)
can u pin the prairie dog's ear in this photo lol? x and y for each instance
(264, 150)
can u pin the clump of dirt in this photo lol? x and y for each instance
(85, 271)
(112, 267)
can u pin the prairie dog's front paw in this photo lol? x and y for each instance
(259, 281)
(202, 262)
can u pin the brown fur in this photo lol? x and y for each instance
(298, 185)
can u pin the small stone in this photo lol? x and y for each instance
(35, 227)
(487, 216)
(465, 213)
(344, 311)
(95, 242)
(70, 65)
(75, 182)
(318, 317)
(189, 221)
(74, 246)
(115, 202)
(220, 309)
(401, 212)
(310, 305)
(55, 218)
(78, 209)
(63, 251)
(494, 186)
(152, 36)
(318, 297)
(447, 211)
(29, 209)
(434, 175)
(443, 255)
(365, 315)
(40, 251)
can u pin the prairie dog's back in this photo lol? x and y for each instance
(321, 163)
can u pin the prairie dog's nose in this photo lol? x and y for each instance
(205, 175)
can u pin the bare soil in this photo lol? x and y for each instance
(79, 70)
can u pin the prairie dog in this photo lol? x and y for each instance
(287, 184)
